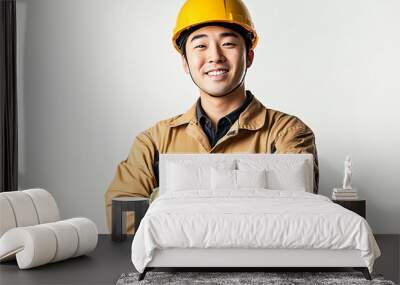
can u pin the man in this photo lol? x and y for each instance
(216, 39)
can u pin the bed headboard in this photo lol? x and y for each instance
(281, 164)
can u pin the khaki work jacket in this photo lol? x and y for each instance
(258, 130)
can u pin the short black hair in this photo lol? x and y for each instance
(247, 36)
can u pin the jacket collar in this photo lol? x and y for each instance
(252, 118)
(232, 116)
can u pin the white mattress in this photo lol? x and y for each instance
(250, 218)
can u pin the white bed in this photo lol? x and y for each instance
(247, 210)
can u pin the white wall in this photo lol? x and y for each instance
(95, 73)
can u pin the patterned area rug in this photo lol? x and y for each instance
(269, 278)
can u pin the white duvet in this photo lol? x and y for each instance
(250, 218)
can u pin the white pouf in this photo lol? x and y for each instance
(31, 233)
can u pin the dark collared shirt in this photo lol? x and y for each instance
(224, 124)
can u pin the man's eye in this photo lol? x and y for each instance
(229, 44)
(199, 46)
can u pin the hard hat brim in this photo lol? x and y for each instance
(178, 33)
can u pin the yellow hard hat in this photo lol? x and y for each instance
(195, 12)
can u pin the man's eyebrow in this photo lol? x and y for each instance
(222, 35)
(228, 34)
(198, 37)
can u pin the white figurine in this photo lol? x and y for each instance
(347, 173)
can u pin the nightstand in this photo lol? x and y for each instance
(120, 205)
(357, 206)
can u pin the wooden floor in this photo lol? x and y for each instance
(111, 259)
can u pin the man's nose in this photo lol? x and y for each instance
(215, 54)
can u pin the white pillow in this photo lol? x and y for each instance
(186, 175)
(251, 178)
(294, 178)
(183, 178)
(236, 179)
(291, 175)
(223, 179)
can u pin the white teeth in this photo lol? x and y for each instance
(217, 72)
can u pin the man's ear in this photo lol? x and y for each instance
(250, 58)
(185, 64)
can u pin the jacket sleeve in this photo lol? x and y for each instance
(296, 137)
(134, 176)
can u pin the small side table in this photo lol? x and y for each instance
(139, 205)
(357, 206)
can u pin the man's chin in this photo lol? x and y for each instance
(218, 93)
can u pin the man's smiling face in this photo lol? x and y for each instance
(216, 59)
